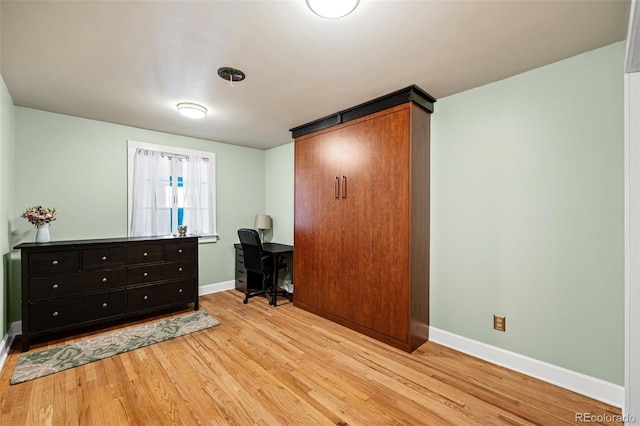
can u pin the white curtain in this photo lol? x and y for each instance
(151, 200)
(198, 197)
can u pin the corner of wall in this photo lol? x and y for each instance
(6, 196)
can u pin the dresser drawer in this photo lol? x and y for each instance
(54, 263)
(152, 296)
(144, 253)
(179, 251)
(159, 272)
(51, 314)
(74, 284)
(102, 258)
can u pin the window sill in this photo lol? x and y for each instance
(208, 239)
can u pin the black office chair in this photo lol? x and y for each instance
(255, 260)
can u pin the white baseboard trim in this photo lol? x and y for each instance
(217, 287)
(15, 329)
(592, 387)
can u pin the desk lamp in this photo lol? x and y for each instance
(263, 222)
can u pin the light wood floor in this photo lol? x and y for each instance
(278, 366)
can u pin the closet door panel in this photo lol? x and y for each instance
(317, 229)
(390, 246)
(355, 216)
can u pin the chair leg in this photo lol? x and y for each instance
(248, 293)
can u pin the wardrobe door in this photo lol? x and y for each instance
(356, 222)
(388, 298)
(317, 228)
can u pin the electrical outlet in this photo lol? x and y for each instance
(499, 323)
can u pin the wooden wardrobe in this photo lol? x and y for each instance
(361, 204)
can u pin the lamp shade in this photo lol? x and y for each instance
(263, 221)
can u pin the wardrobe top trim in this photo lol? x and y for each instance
(405, 106)
(409, 94)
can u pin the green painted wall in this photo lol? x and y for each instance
(527, 213)
(279, 199)
(80, 167)
(6, 179)
(279, 192)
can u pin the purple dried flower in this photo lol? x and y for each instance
(39, 215)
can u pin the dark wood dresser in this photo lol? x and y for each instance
(71, 284)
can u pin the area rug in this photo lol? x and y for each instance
(49, 361)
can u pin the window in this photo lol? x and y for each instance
(170, 187)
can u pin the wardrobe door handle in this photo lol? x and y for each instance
(336, 188)
(344, 187)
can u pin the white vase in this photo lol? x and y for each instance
(42, 234)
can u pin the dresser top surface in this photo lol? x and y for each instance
(53, 244)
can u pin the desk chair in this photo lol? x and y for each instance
(256, 260)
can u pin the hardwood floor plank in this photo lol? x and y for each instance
(282, 366)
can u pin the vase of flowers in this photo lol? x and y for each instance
(40, 217)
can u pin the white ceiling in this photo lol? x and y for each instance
(131, 62)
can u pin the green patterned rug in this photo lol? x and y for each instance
(49, 361)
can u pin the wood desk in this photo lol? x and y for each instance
(246, 278)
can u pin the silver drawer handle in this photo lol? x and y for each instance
(55, 286)
(55, 314)
(54, 263)
(104, 257)
(146, 297)
(104, 305)
(145, 254)
(145, 274)
(180, 291)
(180, 251)
(179, 269)
(104, 280)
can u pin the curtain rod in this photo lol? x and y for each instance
(182, 157)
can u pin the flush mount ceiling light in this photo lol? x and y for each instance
(332, 9)
(191, 110)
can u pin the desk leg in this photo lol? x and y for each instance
(274, 278)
